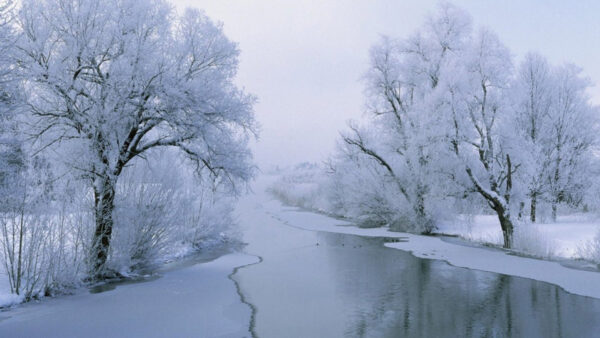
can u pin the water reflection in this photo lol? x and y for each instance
(390, 293)
(337, 285)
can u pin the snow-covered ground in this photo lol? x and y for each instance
(176, 252)
(568, 233)
(573, 236)
(196, 301)
(563, 239)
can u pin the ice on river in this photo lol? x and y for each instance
(196, 301)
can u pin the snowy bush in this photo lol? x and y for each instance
(43, 251)
(211, 222)
(162, 213)
(590, 250)
(302, 186)
(164, 210)
(142, 219)
(359, 194)
(530, 239)
(25, 253)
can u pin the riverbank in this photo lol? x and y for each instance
(319, 279)
(573, 236)
(569, 237)
(194, 300)
(576, 281)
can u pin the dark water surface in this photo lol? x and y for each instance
(315, 284)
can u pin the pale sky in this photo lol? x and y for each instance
(304, 59)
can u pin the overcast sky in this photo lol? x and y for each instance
(304, 58)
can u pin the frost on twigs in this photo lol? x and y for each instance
(107, 82)
(123, 139)
(450, 121)
(590, 250)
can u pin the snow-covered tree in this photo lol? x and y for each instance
(450, 119)
(532, 96)
(403, 75)
(571, 134)
(109, 81)
(11, 154)
(557, 123)
(480, 119)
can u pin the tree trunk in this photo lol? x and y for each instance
(419, 208)
(533, 207)
(504, 214)
(420, 205)
(20, 253)
(420, 213)
(521, 209)
(104, 205)
(554, 207)
(507, 227)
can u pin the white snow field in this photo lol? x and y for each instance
(196, 301)
(564, 238)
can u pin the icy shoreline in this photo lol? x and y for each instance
(584, 283)
(197, 299)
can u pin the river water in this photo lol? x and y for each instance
(317, 284)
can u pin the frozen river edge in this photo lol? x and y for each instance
(185, 302)
(579, 282)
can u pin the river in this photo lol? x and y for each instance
(320, 284)
(290, 282)
(351, 286)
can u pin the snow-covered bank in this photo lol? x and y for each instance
(196, 301)
(179, 253)
(563, 239)
(579, 282)
(574, 235)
